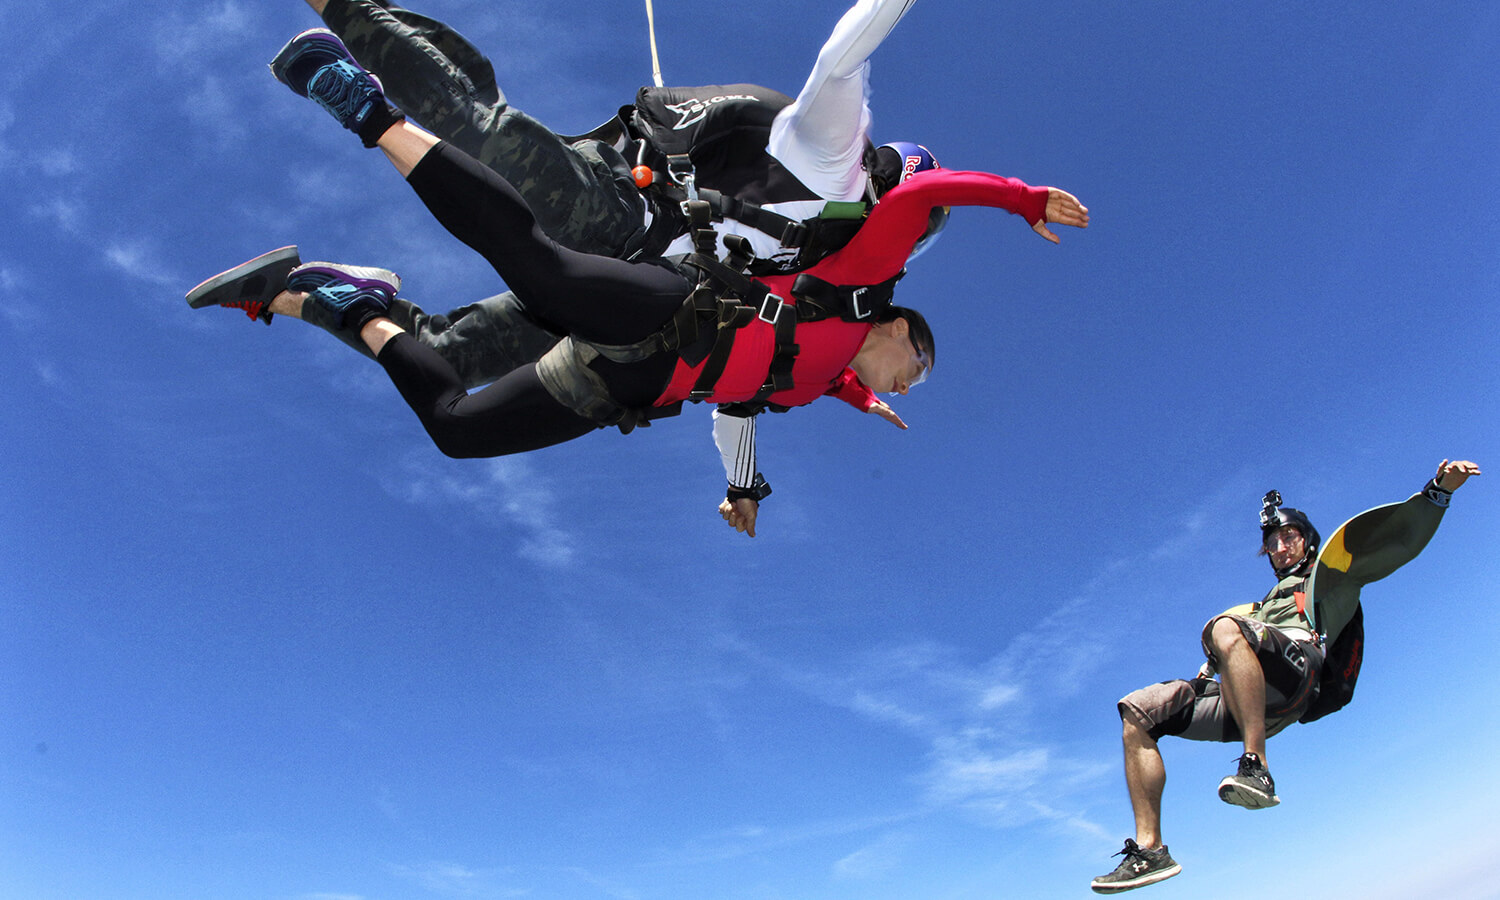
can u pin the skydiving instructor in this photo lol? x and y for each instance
(1291, 657)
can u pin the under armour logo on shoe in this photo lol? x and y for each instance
(1140, 865)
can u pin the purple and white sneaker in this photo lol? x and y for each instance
(351, 295)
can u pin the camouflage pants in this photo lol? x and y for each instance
(581, 192)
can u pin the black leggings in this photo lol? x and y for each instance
(597, 298)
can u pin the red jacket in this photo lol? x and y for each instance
(877, 253)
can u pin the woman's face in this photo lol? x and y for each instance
(890, 362)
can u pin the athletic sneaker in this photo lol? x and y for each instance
(351, 295)
(1138, 869)
(1250, 787)
(316, 64)
(249, 286)
(295, 64)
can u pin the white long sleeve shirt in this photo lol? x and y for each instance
(821, 137)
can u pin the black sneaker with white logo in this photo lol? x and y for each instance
(1250, 787)
(1139, 868)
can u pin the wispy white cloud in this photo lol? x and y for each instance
(758, 839)
(8, 154)
(139, 260)
(179, 39)
(58, 162)
(510, 492)
(988, 754)
(456, 880)
(875, 860)
(216, 113)
(48, 372)
(15, 308)
(66, 213)
(605, 887)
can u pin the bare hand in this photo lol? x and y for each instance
(740, 514)
(1452, 475)
(1064, 209)
(884, 411)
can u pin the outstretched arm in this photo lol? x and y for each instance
(821, 137)
(1372, 546)
(882, 245)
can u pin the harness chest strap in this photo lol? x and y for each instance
(1298, 594)
(819, 299)
(732, 301)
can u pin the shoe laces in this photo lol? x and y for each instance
(341, 88)
(1251, 766)
(251, 308)
(1131, 849)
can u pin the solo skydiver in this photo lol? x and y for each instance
(1294, 656)
(643, 335)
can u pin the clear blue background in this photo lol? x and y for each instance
(258, 639)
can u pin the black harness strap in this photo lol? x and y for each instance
(819, 299)
(732, 317)
(788, 232)
(734, 300)
(784, 320)
(814, 238)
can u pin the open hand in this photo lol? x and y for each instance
(884, 411)
(1063, 209)
(1451, 475)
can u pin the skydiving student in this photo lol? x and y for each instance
(316, 64)
(813, 150)
(643, 335)
(1270, 657)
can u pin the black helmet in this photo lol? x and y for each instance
(1273, 516)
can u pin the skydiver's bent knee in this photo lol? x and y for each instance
(1190, 709)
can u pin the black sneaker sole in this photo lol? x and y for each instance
(262, 278)
(1236, 794)
(1118, 886)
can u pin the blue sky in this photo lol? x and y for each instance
(258, 639)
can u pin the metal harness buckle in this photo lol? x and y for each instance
(775, 316)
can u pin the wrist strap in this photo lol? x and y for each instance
(1437, 495)
(757, 491)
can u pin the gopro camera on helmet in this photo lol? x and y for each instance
(1270, 515)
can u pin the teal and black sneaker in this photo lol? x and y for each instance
(351, 295)
(1139, 868)
(316, 64)
(249, 286)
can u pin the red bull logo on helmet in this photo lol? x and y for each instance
(914, 158)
